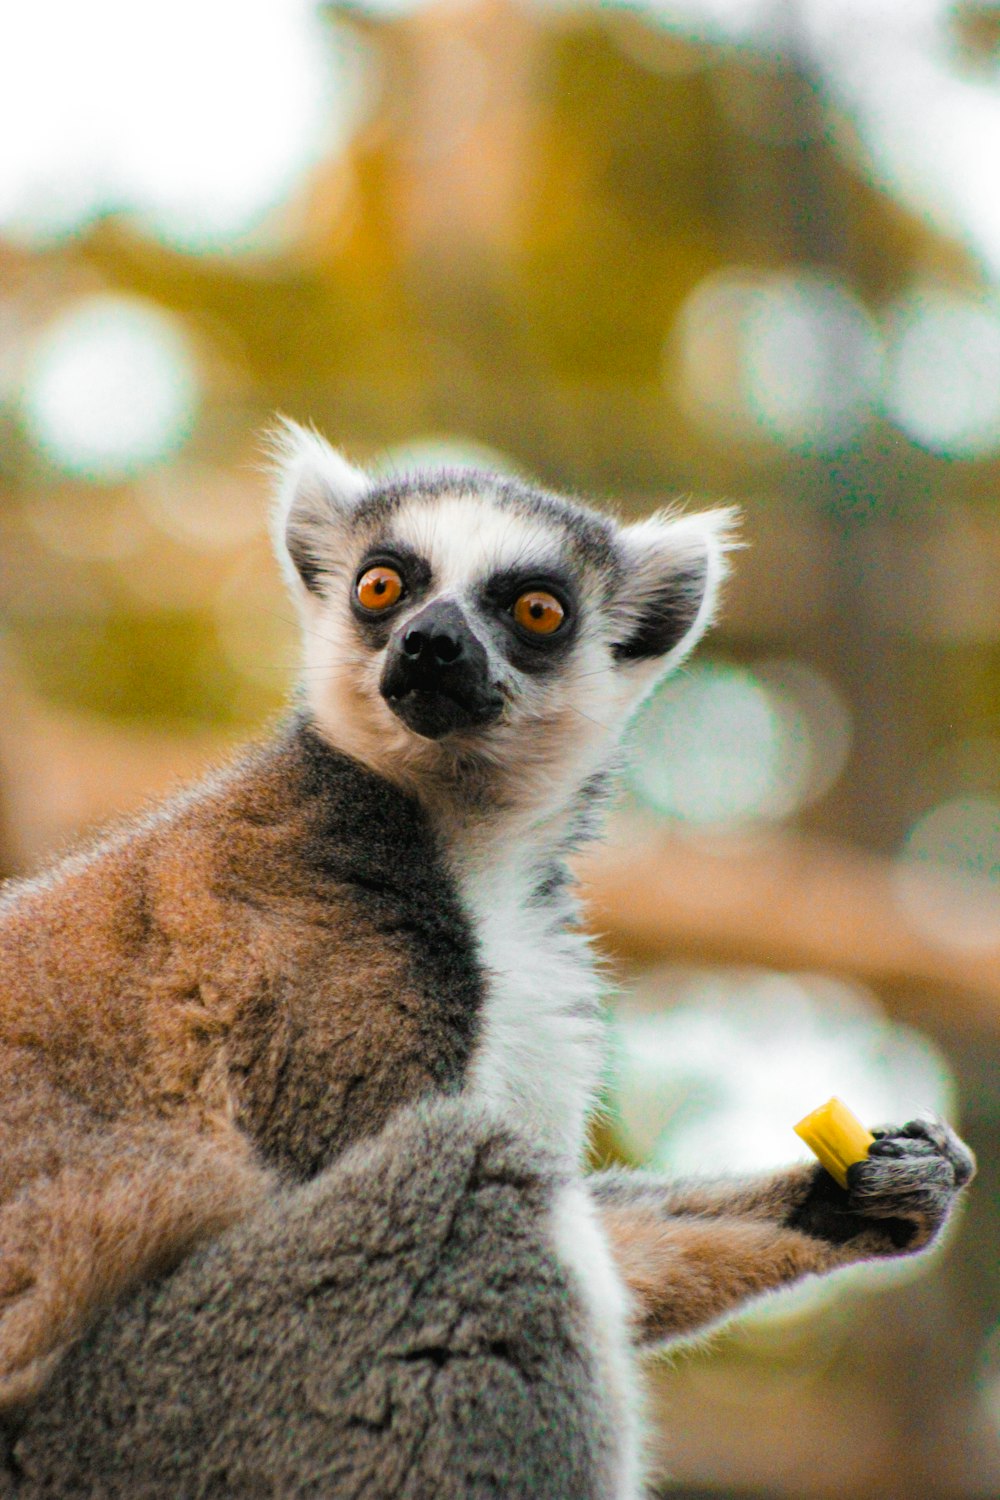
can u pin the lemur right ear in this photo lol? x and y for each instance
(316, 490)
(674, 566)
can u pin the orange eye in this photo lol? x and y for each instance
(379, 588)
(539, 612)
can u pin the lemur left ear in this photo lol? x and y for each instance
(316, 490)
(674, 567)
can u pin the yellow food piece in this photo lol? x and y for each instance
(836, 1136)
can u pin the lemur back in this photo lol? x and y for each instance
(293, 910)
(227, 1018)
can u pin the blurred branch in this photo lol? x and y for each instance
(786, 900)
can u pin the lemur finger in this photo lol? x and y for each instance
(919, 1188)
(926, 1136)
(892, 1146)
(941, 1136)
(911, 1170)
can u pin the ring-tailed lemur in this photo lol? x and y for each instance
(302, 1062)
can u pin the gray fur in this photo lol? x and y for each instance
(590, 536)
(399, 1327)
(402, 1327)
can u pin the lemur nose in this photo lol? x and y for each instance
(438, 646)
(437, 677)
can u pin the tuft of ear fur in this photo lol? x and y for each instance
(316, 488)
(674, 568)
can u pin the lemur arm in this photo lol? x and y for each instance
(691, 1254)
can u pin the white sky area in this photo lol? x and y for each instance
(199, 117)
(196, 116)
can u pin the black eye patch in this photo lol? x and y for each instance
(530, 651)
(415, 572)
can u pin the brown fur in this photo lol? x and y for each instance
(692, 1255)
(687, 1274)
(191, 989)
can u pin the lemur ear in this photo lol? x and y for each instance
(674, 566)
(316, 490)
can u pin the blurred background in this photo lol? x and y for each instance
(739, 249)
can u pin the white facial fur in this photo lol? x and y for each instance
(559, 728)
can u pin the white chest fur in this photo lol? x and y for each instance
(540, 1054)
(581, 1246)
(538, 1064)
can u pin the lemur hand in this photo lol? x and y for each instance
(910, 1180)
(898, 1199)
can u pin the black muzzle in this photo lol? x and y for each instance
(436, 677)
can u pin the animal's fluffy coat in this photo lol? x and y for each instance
(269, 1071)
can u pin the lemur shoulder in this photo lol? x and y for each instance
(223, 1015)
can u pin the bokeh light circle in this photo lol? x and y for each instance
(110, 388)
(446, 451)
(817, 726)
(205, 508)
(709, 749)
(722, 746)
(948, 876)
(793, 356)
(196, 119)
(943, 386)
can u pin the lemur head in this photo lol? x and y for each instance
(467, 634)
